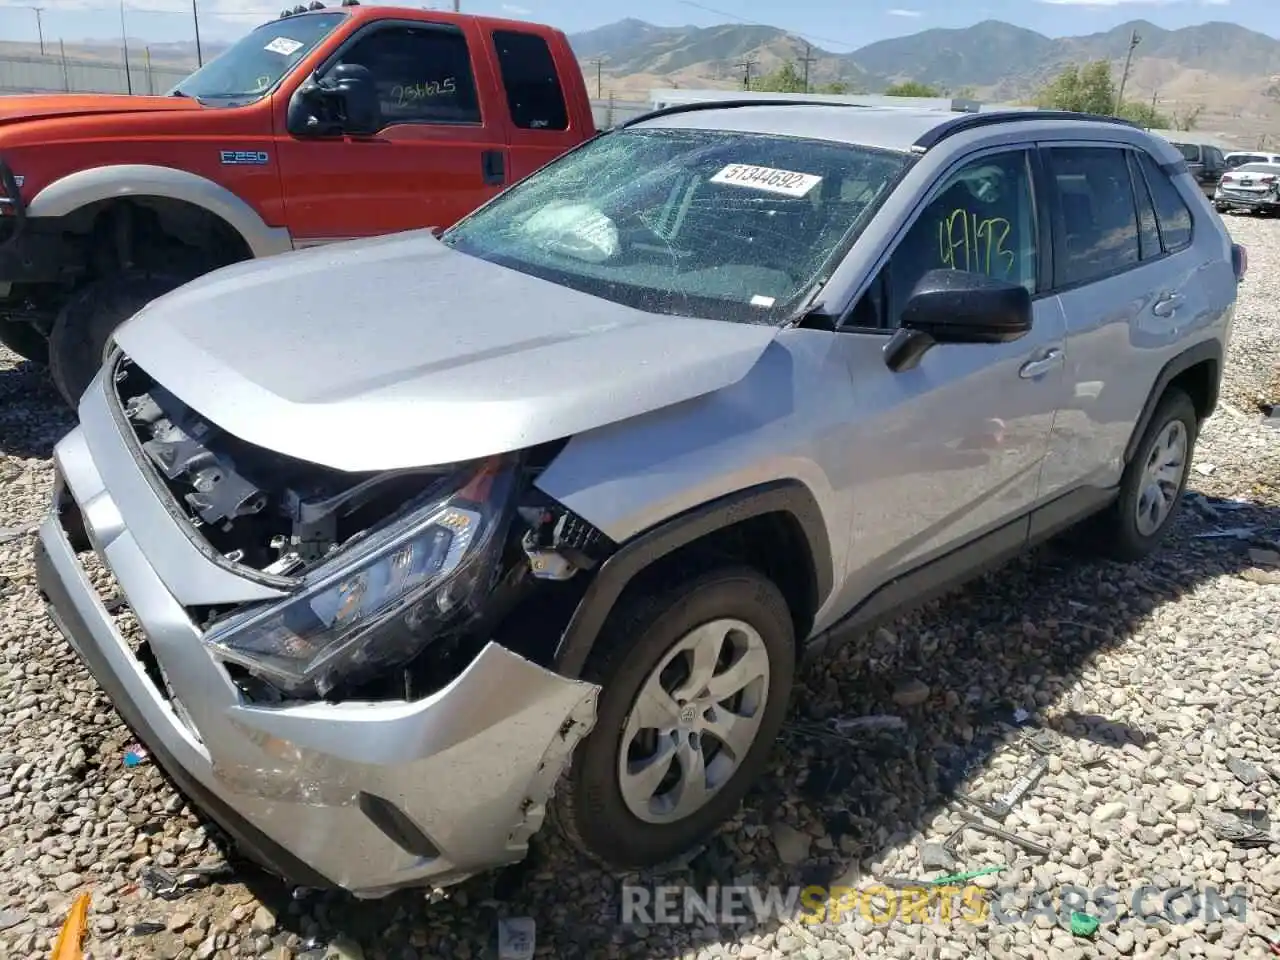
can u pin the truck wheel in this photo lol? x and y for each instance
(695, 682)
(24, 340)
(88, 319)
(1153, 483)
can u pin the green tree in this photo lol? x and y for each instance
(786, 79)
(1081, 90)
(912, 88)
(837, 88)
(1145, 115)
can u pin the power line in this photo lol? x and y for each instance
(39, 27)
(807, 59)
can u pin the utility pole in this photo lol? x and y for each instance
(807, 59)
(39, 27)
(457, 6)
(599, 78)
(195, 18)
(1134, 40)
(746, 65)
(124, 40)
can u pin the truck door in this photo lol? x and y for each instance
(541, 123)
(440, 153)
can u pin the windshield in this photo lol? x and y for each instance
(1270, 168)
(688, 222)
(1189, 151)
(1239, 159)
(253, 65)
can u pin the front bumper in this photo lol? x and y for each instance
(370, 797)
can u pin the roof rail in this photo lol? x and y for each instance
(971, 121)
(729, 105)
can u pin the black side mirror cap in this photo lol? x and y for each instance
(955, 306)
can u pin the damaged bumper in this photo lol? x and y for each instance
(370, 797)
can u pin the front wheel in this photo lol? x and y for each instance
(86, 322)
(695, 681)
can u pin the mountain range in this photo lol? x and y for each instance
(990, 54)
(1228, 71)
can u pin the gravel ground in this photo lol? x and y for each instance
(1153, 685)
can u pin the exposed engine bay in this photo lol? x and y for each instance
(274, 515)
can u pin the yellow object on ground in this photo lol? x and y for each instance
(67, 946)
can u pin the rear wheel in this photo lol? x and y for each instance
(695, 682)
(24, 340)
(86, 322)
(1153, 483)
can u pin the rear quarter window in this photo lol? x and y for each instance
(1172, 212)
(532, 84)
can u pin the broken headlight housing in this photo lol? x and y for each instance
(383, 599)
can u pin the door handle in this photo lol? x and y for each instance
(1036, 368)
(493, 165)
(1166, 304)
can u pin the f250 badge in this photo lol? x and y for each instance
(244, 157)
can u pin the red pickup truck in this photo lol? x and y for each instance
(326, 124)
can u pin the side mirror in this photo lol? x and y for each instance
(346, 101)
(357, 95)
(954, 306)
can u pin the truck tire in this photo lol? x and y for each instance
(621, 801)
(88, 319)
(24, 340)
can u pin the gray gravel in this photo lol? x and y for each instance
(1156, 684)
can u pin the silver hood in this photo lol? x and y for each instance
(399, 352)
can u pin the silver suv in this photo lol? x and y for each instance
(419, 537)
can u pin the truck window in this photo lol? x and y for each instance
(423, 74)
(532, 84)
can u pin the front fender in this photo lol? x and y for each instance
(84, 187)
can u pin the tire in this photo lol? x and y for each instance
(24, 340)
(88, 319)
(1117, 533)
(589, 806)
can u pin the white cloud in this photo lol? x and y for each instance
(899, 12)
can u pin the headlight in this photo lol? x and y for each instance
(381, 602)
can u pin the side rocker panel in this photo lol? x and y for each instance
(84, 187)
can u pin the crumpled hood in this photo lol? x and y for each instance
(398, 351)
(16, 109)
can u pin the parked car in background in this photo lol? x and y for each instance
(1240, 158)
(324, 125)
(426, 535)
(1254, 186)
(1206, 163)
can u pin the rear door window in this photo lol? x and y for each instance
(1148, 230)
(531, 81)
(1097, 223)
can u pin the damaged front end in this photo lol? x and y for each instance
(395, 580)
(390, 716)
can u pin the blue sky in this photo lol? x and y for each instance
(830, 23)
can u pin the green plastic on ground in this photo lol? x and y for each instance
(1083, 925)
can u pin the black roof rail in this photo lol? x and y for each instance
(971, 121)
(699, 105)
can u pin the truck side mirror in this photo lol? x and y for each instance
(345, 101)
(357, 96)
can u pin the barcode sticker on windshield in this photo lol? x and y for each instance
(284, 46)
(788, 183)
